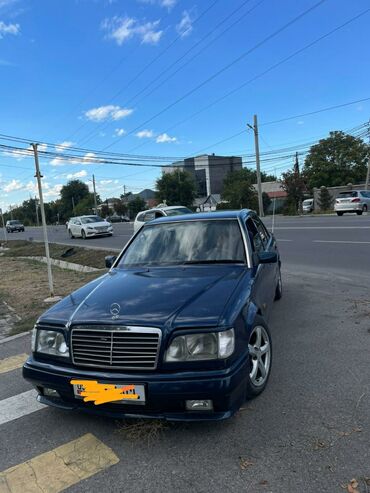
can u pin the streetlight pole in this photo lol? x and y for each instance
(43, 219)
(368, 159)
(95, 201)
(258, 167)
(4, 228)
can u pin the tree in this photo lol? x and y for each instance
(104, 211)
(239, 191)
(325, 200)
(266, 201)
(120, 208)
(73, 192)
(85, 205)
(294, 185)
(336, 161)
(136, 205)
(177, 188)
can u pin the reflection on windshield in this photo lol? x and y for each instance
(91, 219)
(178, 212)
(187, 242)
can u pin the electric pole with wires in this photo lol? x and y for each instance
(258, 168)
(368, 159)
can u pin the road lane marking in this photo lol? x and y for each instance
(19, 405)
(280, 239)
(59, 468)
(16, 336)
(343, 241)
(12, 363)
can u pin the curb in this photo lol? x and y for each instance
(16, 336)
(64, 265)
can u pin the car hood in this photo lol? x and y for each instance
(98, 225)
(160, 297)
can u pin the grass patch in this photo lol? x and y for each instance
(80, 255)
(24, 286)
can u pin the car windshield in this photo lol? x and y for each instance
(188, 242)
(15, 222)
(178, 212)
(344, 195)
(91, 219)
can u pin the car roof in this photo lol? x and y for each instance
(237, 214)
(167, 208)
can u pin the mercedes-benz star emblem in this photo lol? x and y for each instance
(115, 309)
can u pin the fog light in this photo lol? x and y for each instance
(50, 392)
(199, 405)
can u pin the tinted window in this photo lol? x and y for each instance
(149, 216)
(91, 219)
(344, 195)
(178, 211)
(264, 234)
(187, 242)
(254, 236)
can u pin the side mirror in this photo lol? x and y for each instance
(109, 261)
(267, 258)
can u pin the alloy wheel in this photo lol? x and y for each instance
(260, 354)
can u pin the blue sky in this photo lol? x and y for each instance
(78, 73)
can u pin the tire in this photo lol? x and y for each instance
(70, 234)
(279, 288)
(359, 213)
(364, 208)
(340, 213)
(83, 234)
(256, 381)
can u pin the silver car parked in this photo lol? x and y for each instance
(355, 201)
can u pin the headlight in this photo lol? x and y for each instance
(202, 346)
(51, 342)
(90, 227)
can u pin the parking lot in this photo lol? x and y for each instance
(308, 432)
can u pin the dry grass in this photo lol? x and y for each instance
(83, 256)
(149, 430)
(24, 285)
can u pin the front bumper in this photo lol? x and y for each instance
(99, 233)
(166, 393)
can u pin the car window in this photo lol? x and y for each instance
(264, 234)
(205, 241)
(149, 216)
(178, 211)
(91, 219)
(344, 195)
(254, 236)
(365, 194)
(140, 217)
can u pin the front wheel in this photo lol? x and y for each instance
(70, 234)
(279, 287)
(83, 234)
(340, 213)
(260, 356)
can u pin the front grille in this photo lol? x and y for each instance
(121, 347)
(101, 228)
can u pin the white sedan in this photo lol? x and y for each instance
(89, 226)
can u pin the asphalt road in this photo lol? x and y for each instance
(309, 432)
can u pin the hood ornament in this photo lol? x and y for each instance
(115, 309)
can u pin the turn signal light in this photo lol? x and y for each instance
(356, 200)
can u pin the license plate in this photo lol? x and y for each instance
(134, 395)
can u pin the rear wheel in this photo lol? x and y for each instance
(359, 213)
(340, 213)
(83, 234)
(70, 234)
(260, 354)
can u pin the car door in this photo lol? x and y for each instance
(261, 285)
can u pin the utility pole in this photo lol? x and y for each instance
(4, 228)
(258, 169)
(46, 241)
(95, 202)
(37, 212)
(368, 159)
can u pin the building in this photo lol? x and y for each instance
(209, 171)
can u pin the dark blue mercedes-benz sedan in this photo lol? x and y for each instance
(177, 329)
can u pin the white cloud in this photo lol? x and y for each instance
(88, 158)
(161, 3)
(121, 29)
(8, 29)
(119, 132)
(12, 186)
(145, 134)
(63, 146)
(105, 182)
(78, 174)
(163, 138)
(53, 192)
(108, 112)
(185, 26)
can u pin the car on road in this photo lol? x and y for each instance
(355, 201)
(14, 225)
(89, 226)
(307, 206)
(118, 219)
(177, 329)
(155, 213)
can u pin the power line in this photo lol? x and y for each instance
(222, 70)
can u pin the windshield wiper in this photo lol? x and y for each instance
(222, 261)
